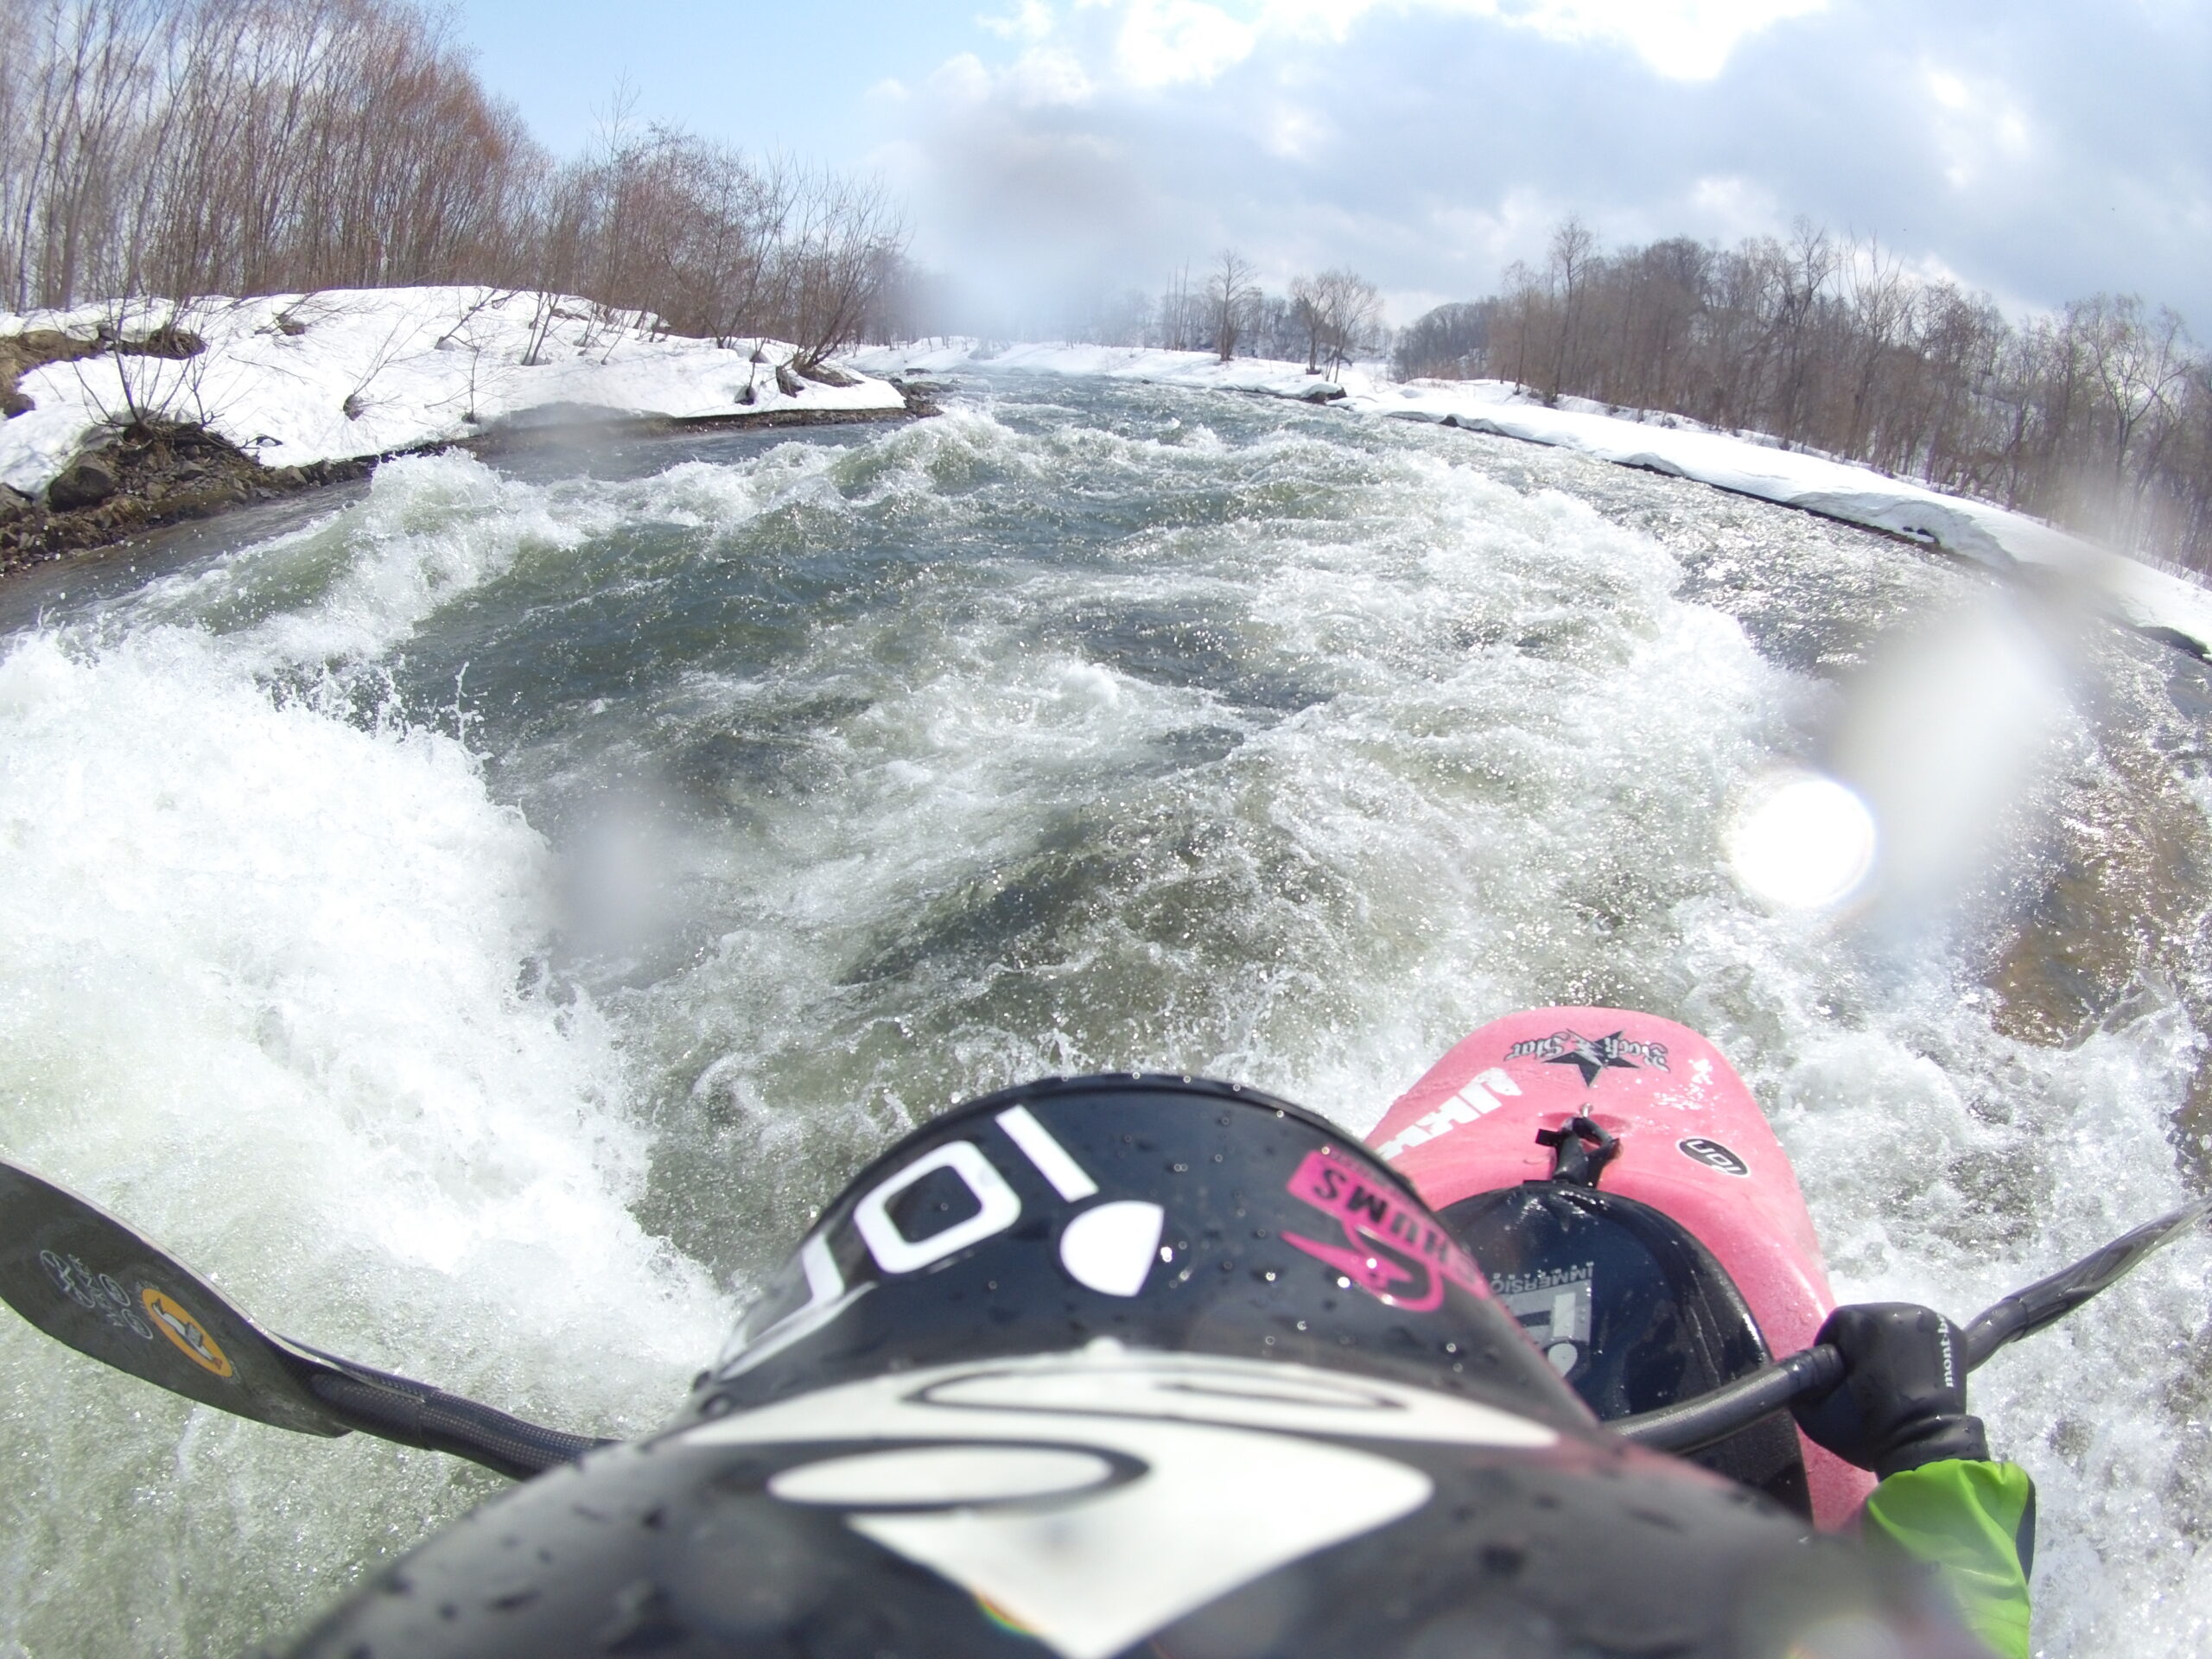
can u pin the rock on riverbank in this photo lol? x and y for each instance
(122, 415)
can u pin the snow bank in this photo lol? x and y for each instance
(300, 378)
(2137, 593)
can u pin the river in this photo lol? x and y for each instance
(479, 923)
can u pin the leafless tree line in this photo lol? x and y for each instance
(716, 244)
(1328, 319)
(188, 147)
(2099, 418)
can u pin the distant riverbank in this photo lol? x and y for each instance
(2155, 600)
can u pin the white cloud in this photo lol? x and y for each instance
(1682, 40)
(2041, 153)
(1044, 76)
(1164, 42)
(1981, 130)
(1947, 89)
(1171, 42)
(1728, 208)
(1297, 130)
(1490, 237)
(1030, 20)
(962, 79)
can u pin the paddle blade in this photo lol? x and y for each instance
(2048, 1300)
(86, 1280)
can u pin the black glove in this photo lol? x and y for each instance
(1903, 1400)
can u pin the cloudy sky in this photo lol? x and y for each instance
(2041, 149)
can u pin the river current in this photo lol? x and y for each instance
(479, 924)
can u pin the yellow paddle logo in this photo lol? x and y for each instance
(180, 1328)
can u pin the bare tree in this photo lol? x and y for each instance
(1351, 314)
(1179, 313)
(844, 254)
(1338, 314)
(1451, 342)
(2136, 361)
(1231, 292)
(1526, 317)
(1574, 250)
(1307, 316)
(78, 90)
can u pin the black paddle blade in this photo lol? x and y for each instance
(86, 1280)
(2048, 1300)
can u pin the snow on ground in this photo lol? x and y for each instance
(2137, 593)
(346, 372)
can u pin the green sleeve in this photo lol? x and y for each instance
(1974, 1524)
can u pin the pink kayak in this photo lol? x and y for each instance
(1664, 1249)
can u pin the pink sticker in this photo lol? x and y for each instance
(1413, 1249)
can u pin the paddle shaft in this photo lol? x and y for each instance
(89, 1281)
(414, 1414)
(1711, 1417)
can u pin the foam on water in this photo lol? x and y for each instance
(807, 790)
(266, 994)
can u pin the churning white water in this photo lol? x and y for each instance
(479, 928)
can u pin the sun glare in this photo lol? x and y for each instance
(1804, 842)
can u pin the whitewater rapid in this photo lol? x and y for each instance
(480, 927)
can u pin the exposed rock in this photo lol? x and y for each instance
(200, 499)
(167, 471)
(1325, 393)
(133, 477)
(85, 482)
(787, 382)
(827, 375)
(168, 341)
(919, 395)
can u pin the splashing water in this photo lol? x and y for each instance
(479, 928)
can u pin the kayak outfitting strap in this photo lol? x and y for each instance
(394, 1407)
(1580, 1150)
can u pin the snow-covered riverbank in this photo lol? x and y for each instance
(295, 379)
(2138, 594)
